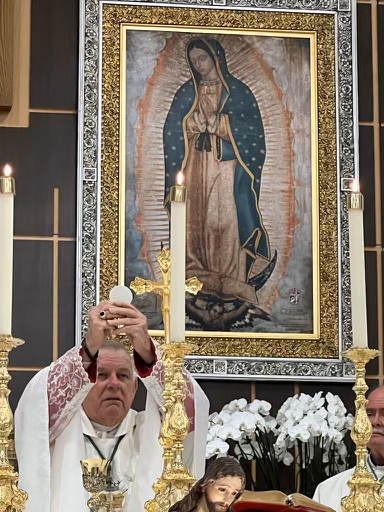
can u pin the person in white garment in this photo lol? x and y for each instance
(80, 407)
(331, 491)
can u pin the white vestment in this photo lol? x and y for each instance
(51, 474)
(331, 491)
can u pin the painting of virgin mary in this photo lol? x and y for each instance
(214, 134)
(232, 113)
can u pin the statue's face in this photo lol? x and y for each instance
(110, 399)
(202, 62)
(220, 494)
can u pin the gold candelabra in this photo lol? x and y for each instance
(12, 499)
(175, 480)
(364, 495)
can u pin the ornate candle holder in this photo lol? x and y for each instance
(364, 496)
(94, 480)
(12, 499)
(175, 481)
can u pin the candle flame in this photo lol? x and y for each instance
(179, 178)
(355, 186)
(7, 170)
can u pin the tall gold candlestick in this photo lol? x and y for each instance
(364, 496)
(175, 480)
(11, 498)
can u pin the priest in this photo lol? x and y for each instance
(80, 407)
(331, 491)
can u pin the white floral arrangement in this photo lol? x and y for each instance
(310, 430)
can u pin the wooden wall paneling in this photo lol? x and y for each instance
(54, 54)
(372, 313)
(18, 115)
(6, 54)
(66, 296)
(367, 183)
(32, 303)
(274, 392)
(381, 311)
(382, 172)
(221, 392)
(44, 157)
(380, 29)
(364, 55)
(372, 383)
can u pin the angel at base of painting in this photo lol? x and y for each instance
(214, 134)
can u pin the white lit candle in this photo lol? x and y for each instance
(357, 267)
(7, 192)
(178, 197)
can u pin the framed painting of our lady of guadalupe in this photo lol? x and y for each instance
(243, 104)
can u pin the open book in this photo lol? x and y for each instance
(278, 497)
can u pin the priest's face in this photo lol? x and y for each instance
(220, 494)
(375, 411)
(111, 397)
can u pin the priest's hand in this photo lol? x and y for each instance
(124, 318)
(98, 328)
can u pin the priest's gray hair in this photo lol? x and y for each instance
(115, 345)
(119, 345)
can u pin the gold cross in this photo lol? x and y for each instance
(163, 288)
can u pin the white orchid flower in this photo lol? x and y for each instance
(259, 420)
(254, 406)
(212, 416)
(228, 431)
(264, 407)
(318, 399)
(336, 435)
(270, 424)
(342, 450)
(321, 413)
(222, 418)
(286, 405)
(216, 447)
(288, 458)
(298, 413)
(210, 436)
(237, 405)
(243, 421)
(349, 421)
(214, 429)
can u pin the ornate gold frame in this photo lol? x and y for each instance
(323, 344)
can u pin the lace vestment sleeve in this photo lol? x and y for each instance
(68, 385)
